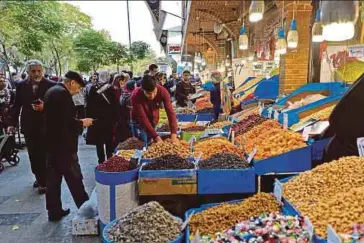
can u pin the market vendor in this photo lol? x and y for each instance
(146, 102)
(215, 94)
(346, 124)
(184, 89)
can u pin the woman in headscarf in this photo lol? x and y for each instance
(102, 106)
(118, 84)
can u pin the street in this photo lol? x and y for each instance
(23, 216)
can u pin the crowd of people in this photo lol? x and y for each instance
(107, 109)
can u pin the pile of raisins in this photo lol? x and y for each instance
(224, 161)
(169, 162)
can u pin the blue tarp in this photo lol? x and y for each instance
(208, 86)
(268, 89)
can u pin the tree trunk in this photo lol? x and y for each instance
(58, 60)
(6, 59)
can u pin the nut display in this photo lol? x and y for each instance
(164, 127)
(320, 115)
(169, 162)
(268, 227)
(225, 216)
(160, 149)
(182, 143)
(247, 124)
(146, 223)
(245, 113)
(304, 101)
(115, 164)
(205, 110)
(131, 143)
(328, 185)
(211, 147)
(126, 154)
(192, 127)
(220, 124)
(270, 140)
(247, 85)
(224, 161)
(185, 110)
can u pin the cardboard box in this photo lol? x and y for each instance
(85, 226)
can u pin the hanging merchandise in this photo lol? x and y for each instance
(281, 45)
(251, 57)
(256, 11)
(243, 39)
(292, 36)
(338, 19)
(227, 61)
(317, 28)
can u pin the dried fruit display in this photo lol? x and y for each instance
(211, 147)
(115, 164)
(247, 85)
(205, 110)
(169, 162)
(225, 216)
(164, 148)
(193, 127)
(285, 228)
(131, 143)
(147, 223)
(126, 154)
(270, 140)
(325, 186)
(185, 110)
(220, 124)
(224, 161)
(164, 127)
(182, 143)
(247, 124)
(320, 115)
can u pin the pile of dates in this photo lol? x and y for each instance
(115, 164)
(247, 124)
(169, 162)
(193, 128)
(224, 161)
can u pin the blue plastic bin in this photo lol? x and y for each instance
(318, 148)
(297, 160)
(186, 117)
(205, 117)
(221, 181)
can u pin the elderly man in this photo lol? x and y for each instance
(61, 133)
(29, 100)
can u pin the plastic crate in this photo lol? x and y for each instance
(205, 117)
(216, 182)
(318, 148)
(186, 117)
(297, 160)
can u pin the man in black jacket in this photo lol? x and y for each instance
(61, 133)
(29, 100)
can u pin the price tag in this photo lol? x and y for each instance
(309, 226)
(251, 155)
(184, 225)
(276, 115)
(192, 143)
(278, 190)
(360, 143)
(233, 137)
(306, 132)
(285, 121)
(332, 236)
(270, 110)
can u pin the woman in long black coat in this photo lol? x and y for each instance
(103, 108)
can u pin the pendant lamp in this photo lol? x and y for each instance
(243, 61)
(251, 57)
(281, 44)
(256, 10)
(203, 61)
(218, 28)
(338, 19)
(292, 36)
(317, 28)
(227, 61)
(243, 39)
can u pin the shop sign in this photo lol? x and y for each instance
(360, 143)
(285, 121)
(241, 71)
(309, 226)
(278, 190)
(251, 155)
(332, 236)
(356, 51)
(174, 49)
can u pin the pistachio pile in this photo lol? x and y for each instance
(146, 223)
(164, 148)
(225, 216)
(322, 194)
(211, 147)
(130, 143)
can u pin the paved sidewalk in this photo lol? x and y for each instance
(23, 217)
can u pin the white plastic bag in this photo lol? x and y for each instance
(89, 210)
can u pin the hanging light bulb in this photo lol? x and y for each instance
(317, 28)
(281, 44)
(243, 61)
(256, 10)
(227, 61)
(243, 39)
(198, 58)
(338, 19)
(203, 61)
(251, 57)
(292, 36)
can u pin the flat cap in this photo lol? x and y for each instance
(72, 75)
